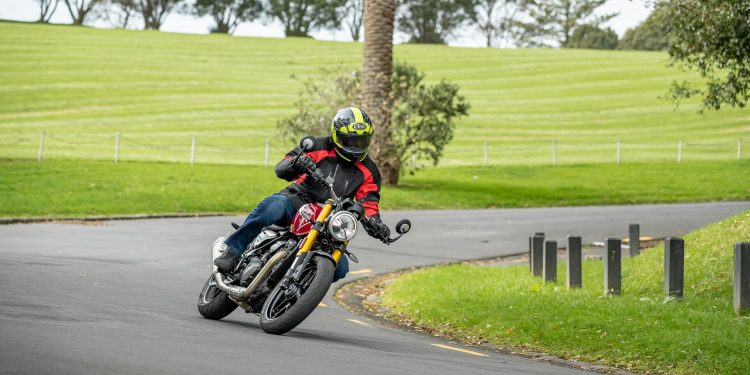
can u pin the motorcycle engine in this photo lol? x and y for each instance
(250, 270)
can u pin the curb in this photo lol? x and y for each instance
(32, 220)
(346, 295)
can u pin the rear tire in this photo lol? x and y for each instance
(278, 316)
(214, 303)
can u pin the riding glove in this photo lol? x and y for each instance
(306, 162)
(377, 228)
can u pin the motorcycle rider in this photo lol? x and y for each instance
(343, 156)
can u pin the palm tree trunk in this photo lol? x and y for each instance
(376, 85)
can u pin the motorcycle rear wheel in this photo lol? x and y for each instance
(282, 312)
(214, 303)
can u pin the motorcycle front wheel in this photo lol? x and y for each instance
(214, 303)
(285, 307)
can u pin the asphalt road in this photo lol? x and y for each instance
(120, 297)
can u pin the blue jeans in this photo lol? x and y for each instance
(276, 209)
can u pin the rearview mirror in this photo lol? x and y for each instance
(307, 144)
(403, 226)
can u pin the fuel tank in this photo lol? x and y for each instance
(304, 218)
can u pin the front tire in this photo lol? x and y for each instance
(214, 303)
(282, 312)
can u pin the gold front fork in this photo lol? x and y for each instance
(313, 235)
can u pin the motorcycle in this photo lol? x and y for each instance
(286, 271)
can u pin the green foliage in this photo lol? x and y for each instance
(640, 330)
(711, 37)
(228, 14)
(433, 21)
(650, 35)
(300, 17)
(552, 22)
(592, 37)
(423, 116)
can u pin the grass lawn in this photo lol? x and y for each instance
(640, 330)
(82, 85)
(61, 188)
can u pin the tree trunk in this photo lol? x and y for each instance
(376, 84)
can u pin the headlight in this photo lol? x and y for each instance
(342, 226)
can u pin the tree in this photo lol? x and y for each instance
(495, 19)
(79, 9)
(227, 14)
(355, 13)
(711, 37)
(592, 37)
(433, 21)
(155, 11)
(423, 116)
(552, 22)
(377, 68)
(650, 35)
(46, 9)
(124, 11)
(300, 17)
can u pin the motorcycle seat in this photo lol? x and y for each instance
(277, 228)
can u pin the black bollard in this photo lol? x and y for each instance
(537, 255)
(613, 267)
(635, 239)
(674, 267)
(550, 261)
(575, 279)
(742, 278)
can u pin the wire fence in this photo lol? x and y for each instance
(215, 149)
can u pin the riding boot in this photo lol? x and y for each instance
(226, 261)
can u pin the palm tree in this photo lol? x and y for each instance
(376, 84)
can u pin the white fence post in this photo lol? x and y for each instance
(41, 146)
(413, 160)
(117, 147)
(486, 154)
(267, 154)
(192, 152)
(739, 149)
(619, 159)
(554, 152)
(679, 151)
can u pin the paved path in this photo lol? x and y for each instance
(120, 297)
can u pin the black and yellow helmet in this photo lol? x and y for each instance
(351, 132)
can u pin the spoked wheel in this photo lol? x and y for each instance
(214, 303)
(288, 306)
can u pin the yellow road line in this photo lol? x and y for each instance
(322, 304)
(358, 272)
(461, 350)
(355, 321)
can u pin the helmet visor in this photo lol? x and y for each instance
(354, 143)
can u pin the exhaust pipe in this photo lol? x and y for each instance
(240, 294)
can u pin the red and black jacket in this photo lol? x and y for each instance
(359, 180)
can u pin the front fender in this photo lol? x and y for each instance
(325, 255)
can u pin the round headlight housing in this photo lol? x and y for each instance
(342, 226)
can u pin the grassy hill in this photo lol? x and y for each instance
(82, 85)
